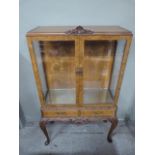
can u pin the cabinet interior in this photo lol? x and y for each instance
(59, 64)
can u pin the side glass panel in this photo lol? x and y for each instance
(98, 63)
(56, 63)
(116, 66)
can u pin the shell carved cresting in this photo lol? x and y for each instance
(79, 30)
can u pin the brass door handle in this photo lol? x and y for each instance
(79, 71)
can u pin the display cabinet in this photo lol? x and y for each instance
(78, 72)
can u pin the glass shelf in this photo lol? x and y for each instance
(67, 96)
(97, 96)
(61, 96)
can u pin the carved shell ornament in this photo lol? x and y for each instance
(79, 30)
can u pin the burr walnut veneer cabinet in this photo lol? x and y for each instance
(78, 72)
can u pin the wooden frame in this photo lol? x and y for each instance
(79, 111)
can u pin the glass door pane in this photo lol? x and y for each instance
(97, 69)
(56, 63)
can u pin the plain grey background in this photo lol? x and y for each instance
(73, 12)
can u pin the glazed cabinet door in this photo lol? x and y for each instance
(57, 61)
(97, 64)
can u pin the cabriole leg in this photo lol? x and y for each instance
(43, 128)
(114, 123)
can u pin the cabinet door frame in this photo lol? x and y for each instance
(30, 40)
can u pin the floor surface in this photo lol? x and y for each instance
(72, 139)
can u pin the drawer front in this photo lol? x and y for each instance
(93, 113)
(60, 113)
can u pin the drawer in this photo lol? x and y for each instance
(60, 113)
(93, 113)
(78, 112)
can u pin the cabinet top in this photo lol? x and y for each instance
(79, 30)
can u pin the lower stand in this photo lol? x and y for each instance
(113, 121)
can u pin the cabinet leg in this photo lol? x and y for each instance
(43, 128)
(114, 123)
